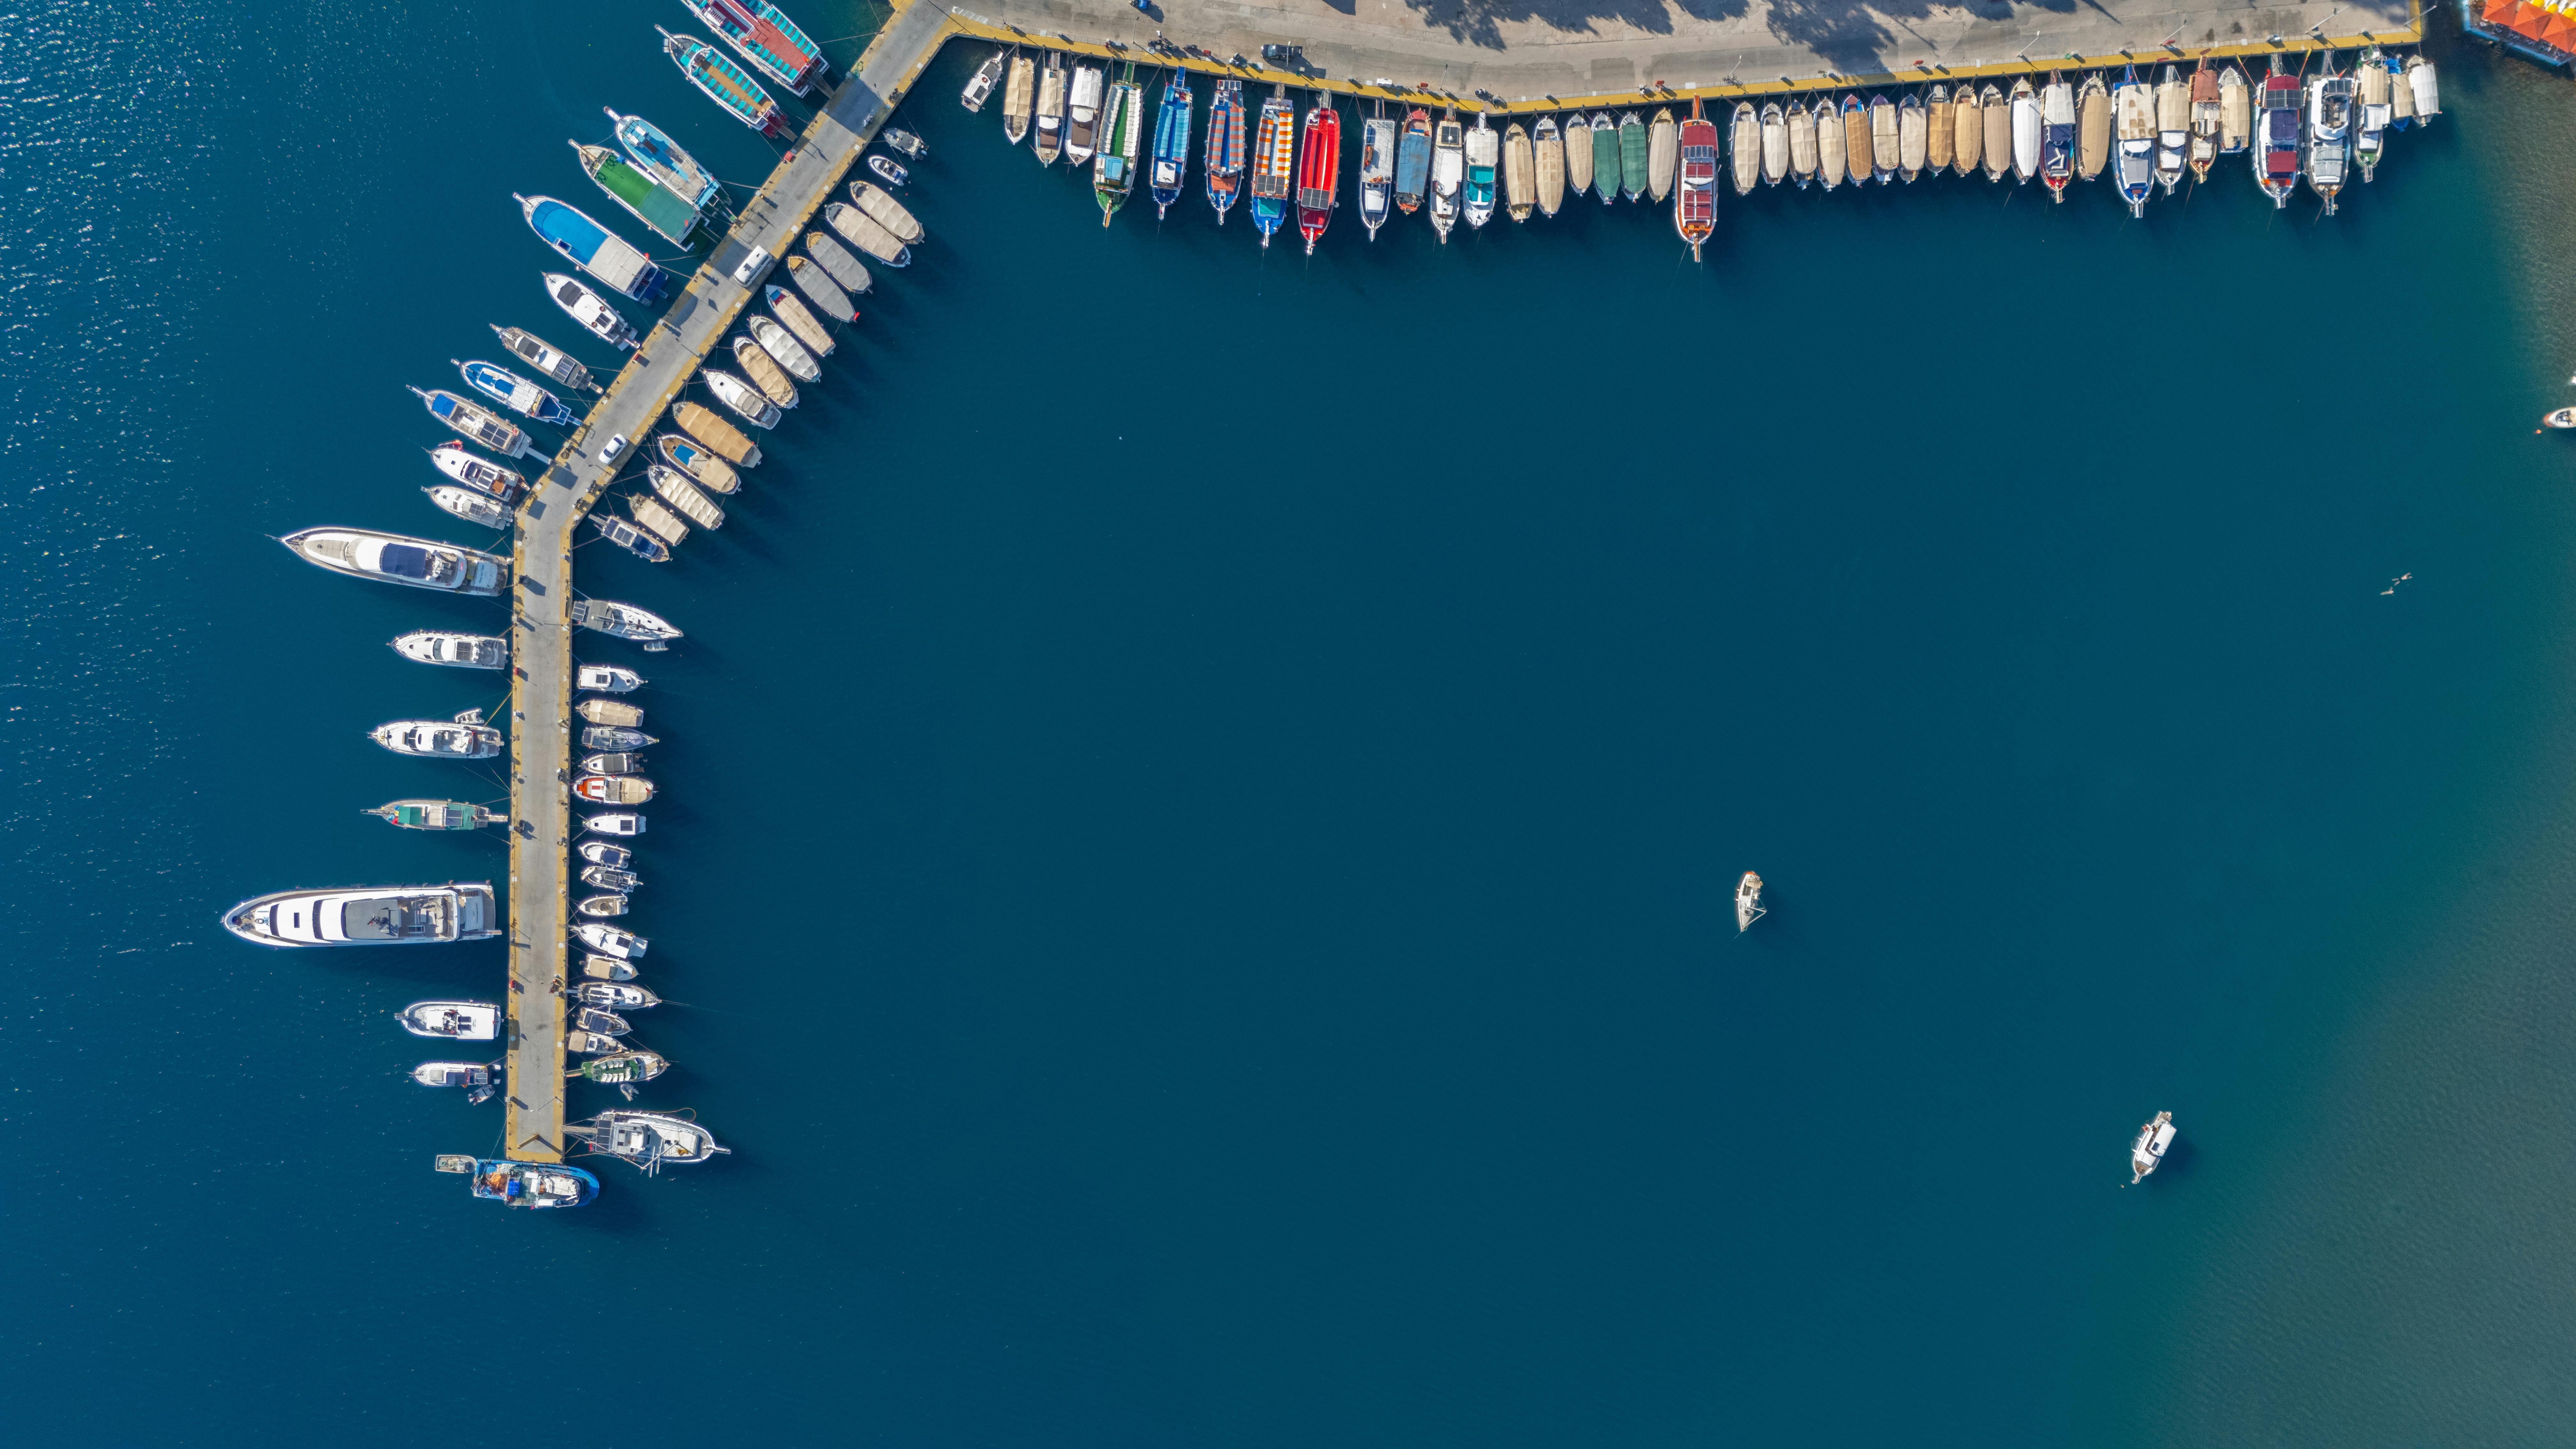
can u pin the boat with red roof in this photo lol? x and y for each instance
(1695, 201)
(759, 33)
(1319, 172)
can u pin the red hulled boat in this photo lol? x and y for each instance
(1695, 200)
(1319, 172)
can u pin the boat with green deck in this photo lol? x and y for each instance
(438, 815)
(1633, 166)
(1122, 123)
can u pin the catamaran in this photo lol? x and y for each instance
(1226, 149)
(1413, 161)
(1113, 171)
(1274, 162)
(1481, 155)
(1695, 201)
(1448, 169)
(1171, 164)
(1319, 172)
(1377, 168)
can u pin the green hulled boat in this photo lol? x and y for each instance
(1122, 125)
(1632, 156)
(1605, 157)
(646, 199)
(438, 815)
(623, 1069)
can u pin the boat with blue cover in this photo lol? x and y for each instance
(661, 158)
(1171, 143)
(515, 393)
(645, 199)
(1226, 146)
(594, 248)
(532, 1184)
(724, 83)
(478, 425)
(761, 34)
(1413, 161)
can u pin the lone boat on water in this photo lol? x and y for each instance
(1227, 146)
(2057, 146)
(395, 558)
(1744, 147)
(1695, 199)
(1082, 113)
(760, 34)
(1549, 143)
(2173, 128)
(2276, 149)
(1481, 154)
(1413, 161)
(453, 650)
(660, 157)
(475, 424)
(1520, 187)
(515, 393)
(1605, 157)
(2329, 133)
(724, 83)
(1748, 902)
(591, 310)
(1274, 162)
(532, 350)
(979, 86)
(594, 248)
(1377, 169)
(1635, 157)
(2147, 1153)
(2133, 155)
(1019, 98)
(1050, 113)
(645, 198)
(1319, 172)
(1171, 165)
(368, 916)
(1448, 172)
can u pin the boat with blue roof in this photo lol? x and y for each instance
(594, 248)
(657, 155)
(1171, 164)
(515, 393)
(724, 83)
(760, 33)
(531, 1184)
(1227, 149)
(1274, 162)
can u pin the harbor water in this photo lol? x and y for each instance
(1202, 788)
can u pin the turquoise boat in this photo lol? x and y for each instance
(661, 158)
(645, 199)
(724, 83)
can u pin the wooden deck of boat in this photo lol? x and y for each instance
(541, 638)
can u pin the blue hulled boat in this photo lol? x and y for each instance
(1226, 148)
(594, 248)
(1171, 144)
(533, 1184)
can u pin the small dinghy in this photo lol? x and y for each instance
(612, 996)
(465, 737)
(532, 1184)
(708, 470)
(838, 264)
(627, 536)
(683, 495)
(889, 170)
(479, 1079)
(614, 762)
(745, 401)
(591, 310)
(452, 1020)
(471, 506)
(608, 677)
(821, 290)
(437, 815)
(610, 941)
(615, 857)
(799, 320)
(648, 1140)
(1748, 901)
(609, 878)
(601, 906)
(785, 350)
(615, 737)
(454, 460)
(764, 371)
(905, 142)
(2562, 418)
(606, 968)
(460, 651)
(613, 789)
(615, 822)
(867, 234)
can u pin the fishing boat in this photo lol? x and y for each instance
(1744, 143)
(1520, 186)
(2559, 418)
(1635, 159)
(619, 882)
(1476, 192)
(1122, 136)
(1578, 153)
(723, 438)
(2235, 111)
(633, 537)
(465, 737)
(2329, 133)
(867, 234)
(1448, 172)
(1606, 178)
(766, 38)
(2057, 136)
(2427, 90)
(481, 1080)
(620, 621)
(600, 907)
(647, 200)
(514, 392)
(2276, 137)
(614, 678)
(650, 516)
(532, 350)
(2092, 127)
(889, 171)
(764, 371)
(798, 320)
(745, 400)
(2205, 112)
(2146, 1154)
(2025, 130)
(845, 270)
(529, 1184)
(1996, 115)
(1319, 173)
(1886, 149)
(1775, 144)
(396, 559)
(1377, 168)
(469, 505)
(1913, 137)
(1228, 149)
(1662, 137)
(1941, 121)
(2133, 149)
(624, 1069)
(1860, 148)
(1019, 98)
(1413, 161)
(1082, 113)
(1695, 200)
(2401, 96)
(783, 349)
(1050, 113)
(1171, 159)
(437, 815)
(2173, 128)
(450, 1020)
(1968, 119)
(456, 462)
(2374, 110)
(621, 823)
(646, 1140)
(476, 425)
(605, 968)
(612, 762)
(611, 737)
(607, 711)
(903, 141)
(1806, 156)
(1748, 902)
(591, 310)
(1274, 162)
(1833, 153)
(594, 248)
(612, 789)
(1548, 142)
(614, 941)
(658, 156)
(421, 915)
(979, 86)
(456, 651)
(724, 83)
(879, 206)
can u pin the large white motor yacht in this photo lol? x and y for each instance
(367, 916)
(454, 1020)
(416, 562)
(461, 738)
(465, 651)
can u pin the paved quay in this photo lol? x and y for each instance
(542, 648)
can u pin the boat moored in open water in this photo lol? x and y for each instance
(368, 916)
(2147, 1153)
(621, 621)
(1748, 902)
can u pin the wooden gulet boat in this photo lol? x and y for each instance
(1319, 172)
(1226, 146)
(1274, 161)
(1695, 199)
(1377, 168)
(1122, 127)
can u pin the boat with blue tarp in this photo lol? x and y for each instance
(724, 83)
(594, 248)
(1171, 164)
(658, 156)
(515, 393)
(533, 1184)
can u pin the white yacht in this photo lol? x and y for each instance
(454, 1020)
(623, 621)
(647, 1139)
(479, 1079)
(416, 562)
(458, 462)
(608, 677)
(600, 852)
(611, 996)
(465, 737)
(469, 505)
(2148, 1152)
(464, 651)
(610, 941)
(614, 822)
(368, 916)
(1748, 902)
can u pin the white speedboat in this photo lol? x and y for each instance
(458, 462)
(647, 1139)
(605, 968)
(613, 789)
(979, 86)
(2148, 1152)
(465, 737)
(600, 852)
(623, 621)
(479, 1079)
(591, 310)
(608, 677)
(614, 996)
(1748, 901)
(469, 505)
(368, 916)
(614, 822)
(454, 1020)
(601, 906)
(415, 562)
(746, 400)
(464, 651)
(610, 941)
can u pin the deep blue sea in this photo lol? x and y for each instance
(1202, 789)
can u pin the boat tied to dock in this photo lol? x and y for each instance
(763, 35)
(469, 505)
(722, 438)
(821, 290)
(1744, 147)
(1413, 161)
(465, 737)
(515, 393)
(2057, 140)
(399, 559)
(724, 83)
(1169, 170)
(1481, 152)
(979, 86)
(1548, 141)
(1113, 169)
(1520, 190)
(1695, 202)
(475, 424)
(646, 199)
(1634, 157)
(2133, 154)
(867, 234)
(1448, 172)
(439, 815)
(647, 1140)
(594, 248)
(619, 621)
(1319, 173)
(1228, 147)
(2276, 153)
(489, 479)
(1050, 111)
(2330, 114)
(452, 1020)
(551, 361)
(786, 351)
(1019, 98)
(1661, 155)
(1082, 113)
(658, 156)
(1274, 162)
(457, 651)
(527, 1184)
(1377, 168)
(368, 916)
(708, 470)
(591, 310)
